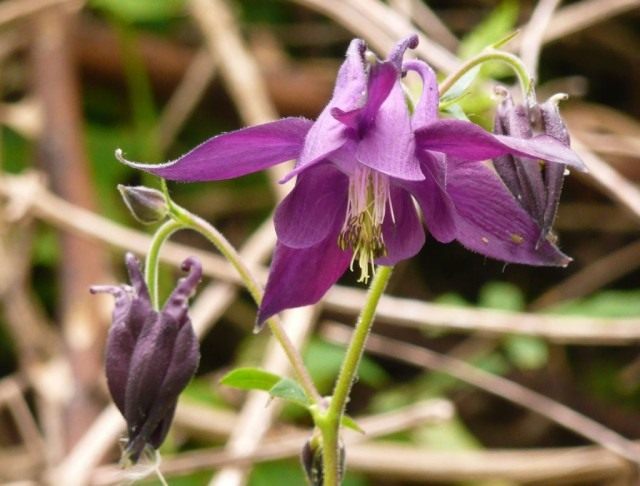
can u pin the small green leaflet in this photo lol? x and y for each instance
(250, 379)
(278, 387)
(349, 423)
(258, 379)
(289, 390)
(460, 88)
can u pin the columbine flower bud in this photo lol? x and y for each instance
(536, 184)
(151, 355)
(146, 205)
(311, 458)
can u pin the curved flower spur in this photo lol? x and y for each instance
(360, 166)
(151, 355)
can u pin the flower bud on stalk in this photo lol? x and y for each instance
(147, 205)
(151, 355)
(311, 458)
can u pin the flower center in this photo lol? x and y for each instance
(362, 229)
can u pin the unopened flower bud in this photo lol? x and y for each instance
(147, 205)
(311, 458)
(151, 355)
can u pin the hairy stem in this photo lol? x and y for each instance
(189, 220)
(328, 421)
(162, 234)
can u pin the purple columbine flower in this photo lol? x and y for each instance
(359, 168)
(151, 355)
(534, 183)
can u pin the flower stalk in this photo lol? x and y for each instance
(491, 54)
(152, 263)
(183, 219)
(328, 421)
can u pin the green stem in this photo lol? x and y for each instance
(491, 55)
(329, 421)
(189, 220)
(151, 266)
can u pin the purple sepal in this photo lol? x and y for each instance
(234, 154)
(491, 222)
(467, 141)
(302, 276)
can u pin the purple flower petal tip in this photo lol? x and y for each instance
(410, 42)
(234, 154)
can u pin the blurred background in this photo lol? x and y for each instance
(479, 373)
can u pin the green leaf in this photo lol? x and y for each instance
(323, 360)
(349, 423)
(200, 391)
(141, 10)
(610, 303)
(497, 26)
(526, 352)
(457, 112)
(460, 88)
(451, 435)
(251, 379)
(259, 379)
(502, 296)
(289, 390)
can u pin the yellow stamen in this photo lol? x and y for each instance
(362, 229)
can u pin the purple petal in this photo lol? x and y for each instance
(120, 344)
(164, 362)
(131, 311)
(553, 173)
(426, 110)
(382, 79)
(157, 436)
(530, 192)
(309, 212)
(402, 231)
(328, 134)
(437, 207)
(350, 119)
(302, 276)
(491, 222)
(181, 366)
(388, 145)
(176, 305)
(352, 77)
(553, 122)
(141, 306)
(235, 153)
(410, 42)
(136, 277)
(149, 366)
(554, 179)
(469, 142)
